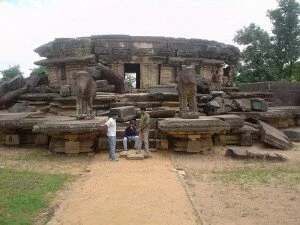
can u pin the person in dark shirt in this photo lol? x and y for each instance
(131, 133)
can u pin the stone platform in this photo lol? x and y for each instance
(72, 136)
(192, 135)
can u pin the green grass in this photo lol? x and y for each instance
(287, 175)
(24, 194)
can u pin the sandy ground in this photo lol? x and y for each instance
(128, 192)
(229, 203)
(151, 191)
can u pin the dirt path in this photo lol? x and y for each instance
(128, 192)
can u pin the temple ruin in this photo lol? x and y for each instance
(152, 60)
(41, 109)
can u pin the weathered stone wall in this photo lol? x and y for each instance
(287, 92)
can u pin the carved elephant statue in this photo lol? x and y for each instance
(86, 92)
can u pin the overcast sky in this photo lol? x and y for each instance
(27, 24)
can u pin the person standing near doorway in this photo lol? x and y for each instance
(111, 134)
(144, 132)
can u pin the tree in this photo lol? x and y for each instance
(286, 39)
(256, 56)
(269, 57)
(296, 72)
(11, 72)
(39, 70)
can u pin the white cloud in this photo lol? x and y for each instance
(28, 24)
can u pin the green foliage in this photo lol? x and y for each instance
(39, 70)
(266, 57)
(23, 194)
(286, 40)
(11, 72)
(296, 72)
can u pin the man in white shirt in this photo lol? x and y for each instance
(111, 134)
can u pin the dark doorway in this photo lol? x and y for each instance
(132, 75)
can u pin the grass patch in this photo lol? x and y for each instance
(23, 194)
(276, 175)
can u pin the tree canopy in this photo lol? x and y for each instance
(271, 57)
(11, 72)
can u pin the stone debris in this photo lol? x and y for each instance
(241, 153)
(21, 107)
(135, 156)
(274, 137)
(125, 113)
(293, 134)
(243, 104)
(259, 104)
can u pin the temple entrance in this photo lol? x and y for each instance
(132, 76)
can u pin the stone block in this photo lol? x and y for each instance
(220, 140)
(103, 144)
(125, 113)
(162, 144)
(293, 134)
(243, 104)
(101, 83)
(134, 156)
(259, 104)
(246, 139)
(234, 121)
(21, 107)
(57, 144)
(108, 88)
(166, 89)
(72, 147)
(274, 137)
(241, 153)
(41, 139)
(12, 139)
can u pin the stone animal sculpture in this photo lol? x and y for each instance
(86, 92)
(187, 89)
(105, 73)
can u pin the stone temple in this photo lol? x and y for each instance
(152, 60)
(129, 72)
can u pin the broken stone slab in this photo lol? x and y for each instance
(124, 154)
(293, 134)
(203, 98)
(108, 88)
(135, 156)
(163, 97)
(11, 85)
(234, 121)
(241, 153)
(10, 97)
(134, 97)
(258, 94)
(190, 115)
(124, 113)
(162, 113)
(165, 89)
(259, 104)
(32, 81)
(121, 104)
(274, 137)
(21, 107)
(245, 130)
(101, 83)
(202, 124)
(243, 104)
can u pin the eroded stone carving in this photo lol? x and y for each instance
(86, 92)
(187, 90)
